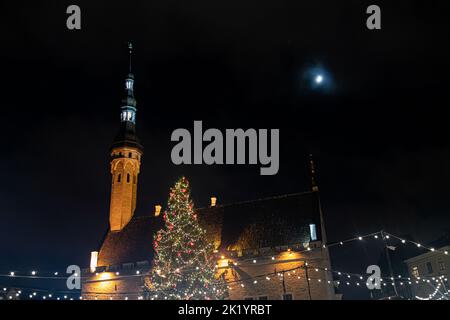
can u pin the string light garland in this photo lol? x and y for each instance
(290, 273)
(402, 280)
(417, 244)
(435, 292)
(55, 275)
(243, 282)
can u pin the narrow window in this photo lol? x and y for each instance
(128, 178)
(441, 265)
(415, 271)
(129, 155)
(312, 232)
(119, 177)
(429, 267)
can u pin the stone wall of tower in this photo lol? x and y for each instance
(125, 166)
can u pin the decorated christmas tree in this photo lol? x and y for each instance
(184, 265)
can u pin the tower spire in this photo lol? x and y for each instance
(129, 102)
(127, 131)
(130, 53)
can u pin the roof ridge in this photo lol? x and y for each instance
(262, 199)
(238, 202)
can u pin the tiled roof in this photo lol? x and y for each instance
(133, 243)
(268, 222)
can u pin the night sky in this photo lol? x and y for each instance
(377, 127)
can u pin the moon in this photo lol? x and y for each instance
(318, 79)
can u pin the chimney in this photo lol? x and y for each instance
(94, 259)
(157, 210)
(213, 201)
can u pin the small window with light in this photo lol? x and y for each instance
(415, 271)
(129, 84)
(312, 232)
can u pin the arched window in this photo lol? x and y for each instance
(119, 177)
(129, 84)
(128, 177)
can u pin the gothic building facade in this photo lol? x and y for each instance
(266, 249)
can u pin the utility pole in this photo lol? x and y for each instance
(388, 258)
(307, 280)
(284, 285)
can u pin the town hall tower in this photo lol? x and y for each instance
(126, 153)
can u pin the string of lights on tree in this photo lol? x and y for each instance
(184, 266)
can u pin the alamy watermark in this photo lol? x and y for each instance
(73, 21)
(240, 145)
(374, 280)
(73, 281)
